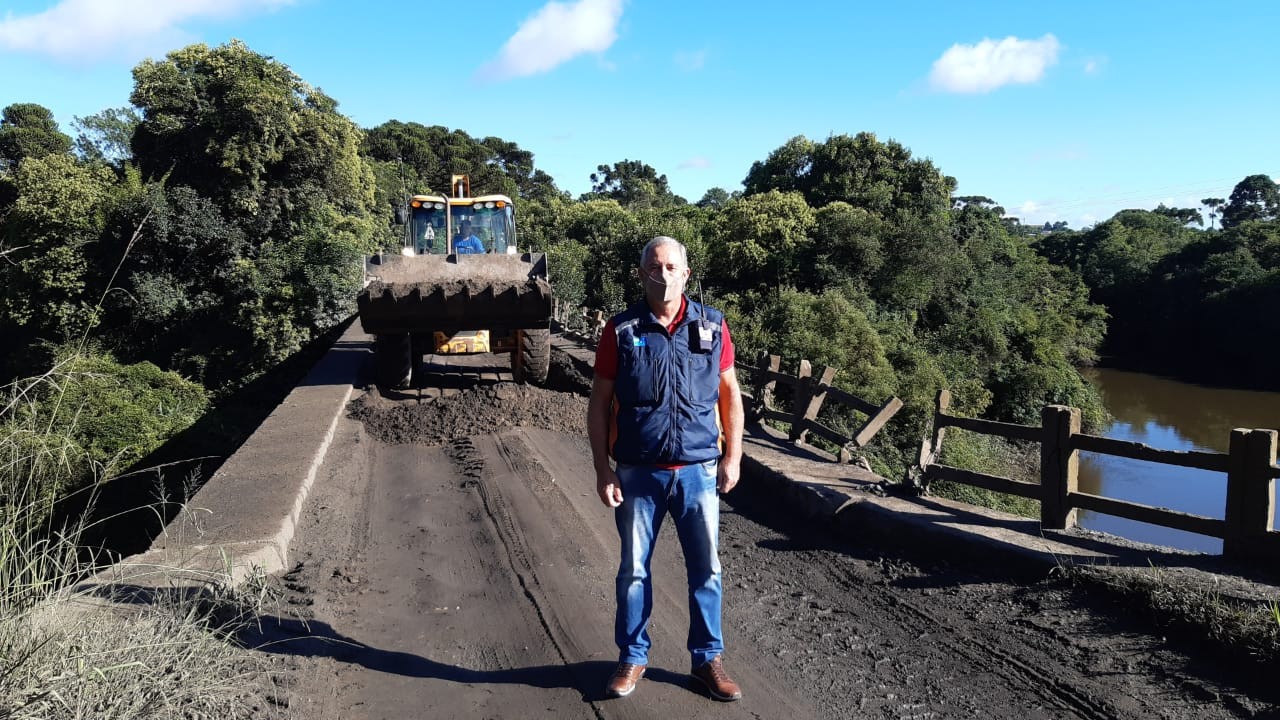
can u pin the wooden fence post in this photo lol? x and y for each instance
(816, 393)
(597, 325)
(800, 400)
(1251, 495)
(766, 390)
(1059, 466)
(931, 445)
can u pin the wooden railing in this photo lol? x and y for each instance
(1250, 467)
(582, 321)
(808, 393)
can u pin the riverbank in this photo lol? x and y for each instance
(1226, 377)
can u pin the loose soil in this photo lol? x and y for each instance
(453, 561)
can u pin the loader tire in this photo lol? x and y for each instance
(534, 361)
(420, 344)
(393, 360)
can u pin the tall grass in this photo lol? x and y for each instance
(66, 653)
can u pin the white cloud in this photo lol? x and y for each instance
(83, 30)
(1030, 208)
(695, 163)
(691, 61)
(555, 34)
(992, 64)
(1033, 213)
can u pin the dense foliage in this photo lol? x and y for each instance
(413, 158)
(87, 418)
(210, 230)
(1187, 301)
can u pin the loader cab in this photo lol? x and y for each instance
(492, 219)
(428, 227)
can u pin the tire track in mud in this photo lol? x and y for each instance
(862, 624)
(992, 657)
(473, 467)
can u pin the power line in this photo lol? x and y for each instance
(1156, 193)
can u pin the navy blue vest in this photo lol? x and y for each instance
(667, 387)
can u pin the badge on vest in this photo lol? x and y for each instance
(637, 341)
(706, 335)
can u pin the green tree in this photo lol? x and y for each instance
(833, 328)
(982, 201)
(516, 163)
(612, 240)
(1186, 216)
(1256, 197)
(1213, 204)
(283, 168)
(106, 135)
(846, 247)
(184, 283)
(429, 155)
(29, 130)
(715, 198)
(880, 177)
(757, 241)
(49, 234)
(1119, 252)
(84, 420)
(787, 169)
(633, 184)
(245, 131)
(1011, 320)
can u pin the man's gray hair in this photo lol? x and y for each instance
(653, 244)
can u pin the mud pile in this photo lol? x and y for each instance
(475, 411)
(569, 374)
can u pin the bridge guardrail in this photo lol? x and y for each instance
(1250, 466)
(808, 393)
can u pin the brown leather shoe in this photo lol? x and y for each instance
(717, 681)
(624, 679)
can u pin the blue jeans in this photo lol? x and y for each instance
(689, 494)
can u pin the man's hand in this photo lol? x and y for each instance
(727, 476)
(608, 487)
(729, 405)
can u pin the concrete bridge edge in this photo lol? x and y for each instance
(240, 523)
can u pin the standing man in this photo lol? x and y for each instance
(664, 391)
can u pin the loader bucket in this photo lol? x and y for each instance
(450, 293)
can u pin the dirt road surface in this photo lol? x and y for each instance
(454, 562)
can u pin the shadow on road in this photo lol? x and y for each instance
(286, 636)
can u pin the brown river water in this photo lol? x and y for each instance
(1169, 415)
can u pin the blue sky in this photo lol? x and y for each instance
(1059, 111)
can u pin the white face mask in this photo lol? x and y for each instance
(670, 283)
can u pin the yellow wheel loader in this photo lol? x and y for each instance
(460, 285)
